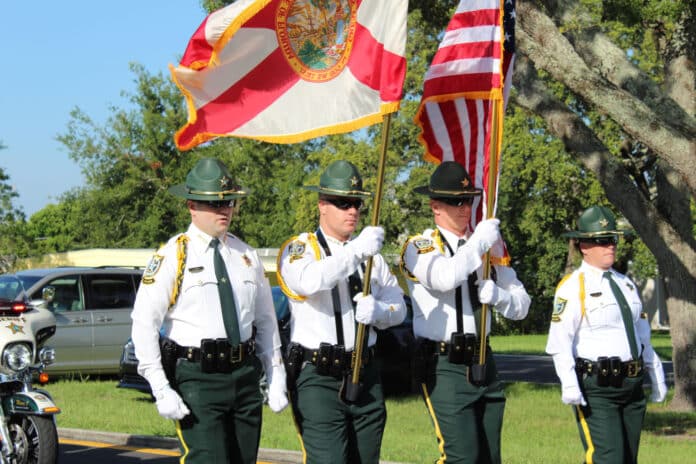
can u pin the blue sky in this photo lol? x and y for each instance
(75, 53)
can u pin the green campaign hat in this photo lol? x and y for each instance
(449, 180)
(595, 221)
(342, 179)
(209, 180)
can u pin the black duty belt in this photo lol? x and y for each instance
(444, 348)
(605, 367)
(319, 356)
(219, 349)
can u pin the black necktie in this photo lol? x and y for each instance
(625, 314)
(229, 310)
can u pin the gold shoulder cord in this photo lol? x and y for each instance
(438, 240)
(181, 242)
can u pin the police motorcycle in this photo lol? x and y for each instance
(28, 433)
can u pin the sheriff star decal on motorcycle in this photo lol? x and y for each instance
(15, 328)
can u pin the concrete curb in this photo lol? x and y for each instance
(144, 441)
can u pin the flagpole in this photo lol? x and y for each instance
(352, 388)
(479, 370)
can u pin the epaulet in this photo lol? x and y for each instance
(295, 247)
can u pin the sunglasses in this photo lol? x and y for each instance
(345, 203)
(456, 201)
(217, 204)
(603, 241)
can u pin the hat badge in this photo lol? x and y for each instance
(465, 183)
(603, 223)
(354, 181)
(224, 182)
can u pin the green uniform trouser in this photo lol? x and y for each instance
(225, 421)
(610, 424)
(333, 432)
(468, 419)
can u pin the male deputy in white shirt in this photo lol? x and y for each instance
(591, 346)
(321, 272)
(208, 385)
(443, 266)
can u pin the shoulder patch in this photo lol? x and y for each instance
(559, 306)
(296, 250)
(152, 268)
(423, 245)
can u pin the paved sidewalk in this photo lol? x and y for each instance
(270, 455)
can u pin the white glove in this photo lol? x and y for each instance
(487, 232)
(491, 294)
(277, 397)
(659, 387)
(366, 309)
(368, 243)
(169, 404)
(659, 392)
(572, 395)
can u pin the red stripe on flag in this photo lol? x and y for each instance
(458, 85)
(474, 18)
(374, 66)
(241, 102)
(468, 50)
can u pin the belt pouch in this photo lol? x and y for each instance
(338, 356)
(208, 355)
(423, 358)
(223, 348)
(615, 366)
(457, 348)
(324, 358)
(169, 354)
(470, 346)
(294, 360)
(603, 371)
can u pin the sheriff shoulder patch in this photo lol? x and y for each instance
(559, 306)
(152, 268)
(296, 250)
(423, 245)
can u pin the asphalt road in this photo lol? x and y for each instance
(88, 447)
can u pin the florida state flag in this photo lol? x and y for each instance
(285, 71)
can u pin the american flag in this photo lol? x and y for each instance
(468, 78)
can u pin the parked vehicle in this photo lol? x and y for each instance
(28, 431)
(91, 306)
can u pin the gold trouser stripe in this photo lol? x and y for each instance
(438, 433)
(182, 460)
(588, 438)
(297, 428)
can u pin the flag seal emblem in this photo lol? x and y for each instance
(316, 37)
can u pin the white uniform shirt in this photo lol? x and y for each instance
(197, 313)
(600, 330)
(429, 266)
(307, 276)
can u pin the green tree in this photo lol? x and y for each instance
(13, 242)
(614, 81)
